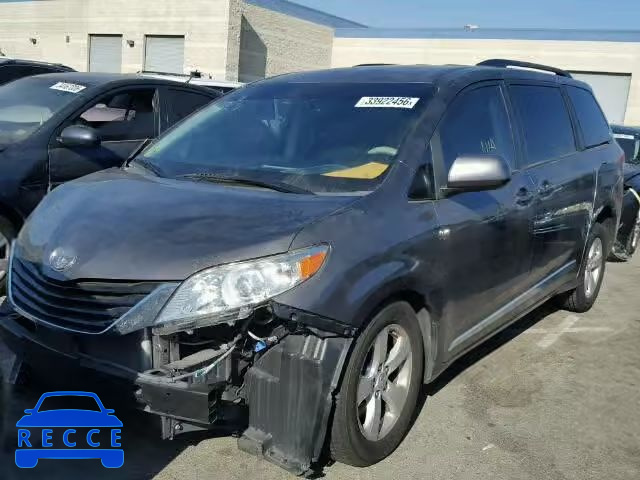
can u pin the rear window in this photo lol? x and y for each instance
(545, 122)
(594, 125)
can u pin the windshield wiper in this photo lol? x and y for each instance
(271, 185)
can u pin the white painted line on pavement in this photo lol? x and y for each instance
(551, 335)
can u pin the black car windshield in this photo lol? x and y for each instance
(631, 147)
(322, 138)
(28, 103)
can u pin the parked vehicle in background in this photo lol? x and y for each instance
(57, 127)
(221, 86)
(12, 69)
(300, 256)
(628, 234)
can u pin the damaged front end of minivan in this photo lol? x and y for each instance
(216, 350)
(272, 374)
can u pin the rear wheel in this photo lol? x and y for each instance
(591, 273)
(380, 388)
(7, 234)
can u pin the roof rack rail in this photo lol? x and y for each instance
(502, 63)
(193, 74)
(374, 64)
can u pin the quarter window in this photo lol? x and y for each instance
(545, 120)
(594, 125)
(476, 123)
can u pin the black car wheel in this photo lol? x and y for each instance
(7, 234)
(634, 238)
(591, 273)
(380, 388)
(627, 239)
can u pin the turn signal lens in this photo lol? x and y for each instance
(311, 264)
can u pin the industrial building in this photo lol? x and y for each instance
(251, 39)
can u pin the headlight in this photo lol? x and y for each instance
(230, 292)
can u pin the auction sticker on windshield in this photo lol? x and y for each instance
(68, 87)
(387, 102)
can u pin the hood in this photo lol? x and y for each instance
(121, 225)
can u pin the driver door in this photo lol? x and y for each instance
(123, 120)
(486, 234)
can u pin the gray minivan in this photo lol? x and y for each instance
(299, 257)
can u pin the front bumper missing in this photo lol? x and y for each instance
(279, 401)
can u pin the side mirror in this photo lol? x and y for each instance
(79, 136)
(478, 172)
(29, 411)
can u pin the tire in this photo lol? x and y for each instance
(7, 235)
(623, 251)
(634, 238)
(582, 298)
(357, 438)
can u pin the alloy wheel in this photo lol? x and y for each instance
(593, 269)
(384, 382)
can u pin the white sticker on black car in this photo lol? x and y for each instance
(387, 102)
(68, 87)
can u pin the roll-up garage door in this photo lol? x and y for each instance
(105, 53)
(611, 90)
(164, 54)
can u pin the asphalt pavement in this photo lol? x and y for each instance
(556, 396)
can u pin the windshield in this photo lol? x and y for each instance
(69, 402)
(631, 147)
(323, 138)
(28, 103)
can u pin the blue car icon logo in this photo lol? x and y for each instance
(86, 431)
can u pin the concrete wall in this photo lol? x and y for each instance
(204, 23)
(272, 43)
(610, 57)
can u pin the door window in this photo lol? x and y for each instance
(182, 103)
(594, 126)
(123, 116)
(476, 123)
(545, 121)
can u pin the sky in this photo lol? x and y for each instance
(570, 14)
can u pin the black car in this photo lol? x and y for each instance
(12, 69)
(57, 127)
(629, 230)
(299, 257)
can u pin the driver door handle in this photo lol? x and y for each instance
(545, 190)
(524, 197)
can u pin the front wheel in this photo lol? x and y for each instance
(582, 298)
(380, 388)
